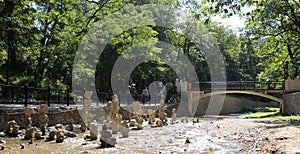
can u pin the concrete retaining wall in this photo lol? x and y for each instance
(292, 104)
(231, 105)
(234, 105)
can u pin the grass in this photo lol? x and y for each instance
(268, 113)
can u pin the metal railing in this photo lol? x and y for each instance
(239, 85)
(15, 94)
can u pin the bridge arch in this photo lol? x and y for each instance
(198, 97)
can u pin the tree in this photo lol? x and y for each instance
(275, 25)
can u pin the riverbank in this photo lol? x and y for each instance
(230, 134)
(261, 136)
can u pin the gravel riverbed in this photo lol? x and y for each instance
(209, 135)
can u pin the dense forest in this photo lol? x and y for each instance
(39, 40)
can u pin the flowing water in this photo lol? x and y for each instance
(166, 139)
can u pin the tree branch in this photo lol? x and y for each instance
(93, 15)
(295, 18)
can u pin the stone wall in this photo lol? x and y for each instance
(61, 117)
(58, 116)
(292, 104)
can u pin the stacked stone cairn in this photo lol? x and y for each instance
(27, 121)
(137, 116)
(173, 117)
(162, 115)
(85, 115)
(30, 131)
(60, 136)
(43, 118)
(151, 116)
(124, 129)
(70, 126)
(106, 138)
(114, 122)
(113, 116)
(52, 135)
(12, 129)
(108, 109)
(137, 121)
(93, 132)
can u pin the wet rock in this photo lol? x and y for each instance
(30, 142)
(83, 127)
(2, 134)
(59, 126)
(159, 123)
(144, 116)
(187, 141)
(52, 135)
(38, 135)
(59, 139)
(132, 122)
(138, 126)
(106, 138)
(29, 133)
(12, 128)
(84, 143)
(124, 129)
(60, 136)
(114, 127)
(196, 121)
(70, 126)
(22, 146)
(70, 134)
(281, 138)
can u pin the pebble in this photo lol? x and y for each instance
(70, 134)
(22, 146)
(2, 148)
(2, 142)
(30, 141)
(84, 152)
(187, 141)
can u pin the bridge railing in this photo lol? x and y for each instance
(239, 85)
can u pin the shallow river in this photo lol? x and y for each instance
(166, 139)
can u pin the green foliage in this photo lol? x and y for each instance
(274, 26)
(39, 40)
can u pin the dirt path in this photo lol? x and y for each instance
(210, 135)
